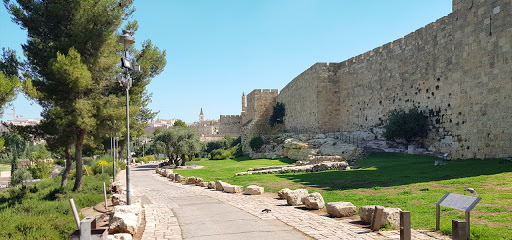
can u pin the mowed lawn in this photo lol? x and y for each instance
(409, 182)
(5, 167)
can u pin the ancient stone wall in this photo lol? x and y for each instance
(260, 105)
(457, 68)
(230, 125)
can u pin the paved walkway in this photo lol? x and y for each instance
(177, 211)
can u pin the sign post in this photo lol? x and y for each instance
(459, 202)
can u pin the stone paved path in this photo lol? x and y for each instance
(171, 213)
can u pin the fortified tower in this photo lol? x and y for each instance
(244, 107)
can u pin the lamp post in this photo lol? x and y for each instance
(126, 39)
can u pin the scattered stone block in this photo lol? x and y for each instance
(135, 208)
(366, 213)
(123, 223)
(341, 209)
(203, 184)
(254, 190)
(219, 185)
(314, 201)
(233, 189)
(283, 193)
(191, 180)
(294, 197)
(118, 199)
(391, 216)
(120, 236)
(211, 185)
(199, 181)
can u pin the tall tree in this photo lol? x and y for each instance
(16, 146)
(72, 54)
(9, 81)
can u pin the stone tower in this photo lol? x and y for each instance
(244, 102)
(201, 116)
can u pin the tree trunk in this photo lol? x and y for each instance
(68, 167)
(78, 156)
(183, 159)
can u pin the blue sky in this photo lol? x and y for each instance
(218, 49)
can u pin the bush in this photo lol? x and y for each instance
(20, 175)
(407, 126)
(42, 169)
(108, 167)
(149, 158)
(72, 172)
(220, 154)
(256, 143)
(236, 151)
(41, 211)
(214, 145)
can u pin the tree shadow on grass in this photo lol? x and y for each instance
(391, 169)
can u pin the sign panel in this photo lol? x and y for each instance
(460, 202)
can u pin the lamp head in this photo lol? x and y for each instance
(126, 39)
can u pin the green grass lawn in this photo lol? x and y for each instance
(5, 167)
(409, 182)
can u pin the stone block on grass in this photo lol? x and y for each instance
(233, 189)
(191, 180)
(254, 190)
(314, 201)
(283, 193)
(199, 181)
(341, 209)
(294, 197)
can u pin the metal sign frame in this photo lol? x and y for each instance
(456, 201)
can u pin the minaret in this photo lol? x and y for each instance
(244, 102)
(244, 108)
(201, 116)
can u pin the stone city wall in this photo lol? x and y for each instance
(260, 105)
(230, 125)
(458, 68)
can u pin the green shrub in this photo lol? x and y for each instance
(408, 126)
(220, 154)
(236, 151)
(41, 169)
(41, 211)
(149, 158)
(72, 172)
(20, 175)
(108, 167)
(256, 142)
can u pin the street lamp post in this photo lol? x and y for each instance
(126, 39)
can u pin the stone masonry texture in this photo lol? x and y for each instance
(457, 68)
